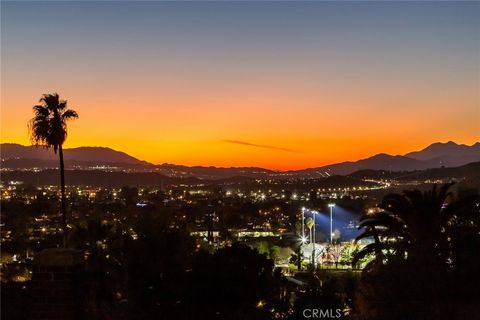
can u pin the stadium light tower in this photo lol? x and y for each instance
(304, 240)
(331, 205)
(314, 231)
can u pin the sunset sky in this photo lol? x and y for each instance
(281, 85)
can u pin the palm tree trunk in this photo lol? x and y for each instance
(63, 199)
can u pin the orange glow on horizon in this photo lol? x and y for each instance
(276, 138)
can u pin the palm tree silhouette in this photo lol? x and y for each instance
(412, 226)
(424, 253)
(48, 128)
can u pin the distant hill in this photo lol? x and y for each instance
(380, 161)
(469, 172)
(448, 154)
(467, 176)
(212, 173)
(371, 174)
(436, 155)
(101, 154)
(96, 178)
(100, 178)
(342, 182)
(18, 156)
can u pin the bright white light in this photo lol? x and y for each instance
(303, 239)
(331, 205)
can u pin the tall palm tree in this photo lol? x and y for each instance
(48, 128)
(310, 225)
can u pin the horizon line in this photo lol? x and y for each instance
(248, 144)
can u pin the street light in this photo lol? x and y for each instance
(331, 205)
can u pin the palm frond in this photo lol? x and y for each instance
(69, 114)
(48, 127)
(370, 249)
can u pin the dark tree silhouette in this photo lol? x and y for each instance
(129, 195)
(230, 284)
(423, 248)
(98, 239)
(411, 226)
(48, 128)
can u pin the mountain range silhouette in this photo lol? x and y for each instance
(436, 155)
